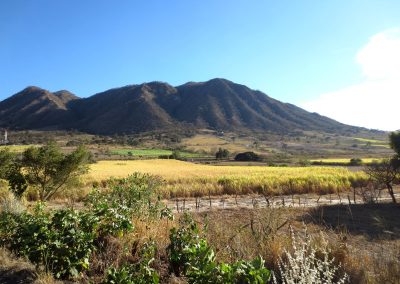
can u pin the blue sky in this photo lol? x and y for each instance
(297, 51)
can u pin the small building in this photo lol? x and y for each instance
(4, 140)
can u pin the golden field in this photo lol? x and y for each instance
(344, 160)
(17, 148)
(184, 179)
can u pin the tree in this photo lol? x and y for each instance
(395, 142)
(50, 171)
(355, 162)
(10, 170)
(176, 155)
(222, 154)
(247, 156)
(386, 172)
(6, 161)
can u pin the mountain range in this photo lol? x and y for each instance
(216, 104)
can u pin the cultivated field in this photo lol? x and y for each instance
(185, 179)
(17, 148)
(344, 160)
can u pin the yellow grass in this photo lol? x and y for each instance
(208, 143)
(188, 179)
(371, 140)
(344, 160)
(17, 148)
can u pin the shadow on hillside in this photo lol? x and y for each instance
(376, 221)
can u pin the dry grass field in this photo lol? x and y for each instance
(184, 179)
(343, 160)
(210, 143)
(17, 148)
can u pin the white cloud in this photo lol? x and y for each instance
(374, 103)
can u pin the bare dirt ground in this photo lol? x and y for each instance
(257, 201)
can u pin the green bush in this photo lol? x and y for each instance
(191, 256)
(222, 154)
(139, 273)
(135, 195)
(114, 218)
(356, 162)
(247, 156)
(62, 242)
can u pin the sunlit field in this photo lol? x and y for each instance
(191, 180)
(344, 160)
(17, 148)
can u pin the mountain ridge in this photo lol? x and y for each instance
(217, 104)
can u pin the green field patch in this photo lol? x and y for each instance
(153, 153)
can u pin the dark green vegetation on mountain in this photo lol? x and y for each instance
(216, 104)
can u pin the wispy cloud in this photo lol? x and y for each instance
(374, 103)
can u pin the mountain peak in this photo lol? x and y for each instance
(32, 90)
(216, 104)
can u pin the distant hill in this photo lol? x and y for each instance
(35, 108)
(217, 104)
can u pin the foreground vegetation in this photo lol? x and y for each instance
(63, 242)
(125, 235)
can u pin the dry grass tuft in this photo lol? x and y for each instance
(19, 270)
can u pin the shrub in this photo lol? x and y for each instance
(304, 163)
(191, 256)
(175, 155)
(356, 162)
(135, 195)
(62, 242)
(303, 265)
(222, 154)
(138, 273)
(247, 156)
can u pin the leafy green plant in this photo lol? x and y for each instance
(244, 272)
(191, 256)
(138, 193)
(62, 242)
(138, 273)
(122, 275)
(114, 218)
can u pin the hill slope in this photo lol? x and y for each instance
(218, 104)
(35, 108)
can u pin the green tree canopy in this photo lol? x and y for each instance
(395, 142)
(222, 154)
(50, 171)
(6, 161)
